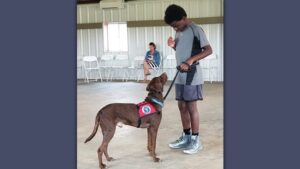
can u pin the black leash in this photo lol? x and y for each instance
(171, 85)
(178, 70)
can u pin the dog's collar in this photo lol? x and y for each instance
(154, 100)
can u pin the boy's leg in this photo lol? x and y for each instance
(184, 114)
(184, 140)
(195, 144)
(194, 115)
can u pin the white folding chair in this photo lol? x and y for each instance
(136, 70)
(213, 70)
(106, 63)
(169, 65)
(91, 65)
(79, 67)
(209, 65)
(120, 67)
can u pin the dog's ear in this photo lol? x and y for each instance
(163, 78)
(155, 84)
(157, 87)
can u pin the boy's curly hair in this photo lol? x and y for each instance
(174, 13)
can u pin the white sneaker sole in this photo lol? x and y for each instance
(193, 152)
(177, 147)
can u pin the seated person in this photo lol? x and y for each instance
(152, 59)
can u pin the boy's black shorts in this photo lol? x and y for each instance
(188, 92)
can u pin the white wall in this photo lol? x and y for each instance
(90, 41)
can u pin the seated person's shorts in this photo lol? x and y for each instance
(188, 92)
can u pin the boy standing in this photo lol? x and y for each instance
(191, 45)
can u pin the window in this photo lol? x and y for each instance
(115, 37)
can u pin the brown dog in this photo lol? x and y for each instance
(128, 113)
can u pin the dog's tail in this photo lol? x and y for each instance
(97, 123)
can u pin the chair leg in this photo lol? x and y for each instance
(210, 76)
(99, 73)
(86, 76)
(128, 74)
(108, 74)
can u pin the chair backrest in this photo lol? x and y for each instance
(213, 63)
(170, 62)
(107, 57)
(89, 59)
(90, 62)
(204, 63)
(106, 60)
(209, 62)
(121, 57)
(171, 57)
(121, 60)
(139, 58)
(138, 61)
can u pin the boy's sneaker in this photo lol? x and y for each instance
(182, 142)
(195, 145)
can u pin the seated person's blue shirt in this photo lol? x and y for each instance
(156, 57)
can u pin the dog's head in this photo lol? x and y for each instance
(157, 83)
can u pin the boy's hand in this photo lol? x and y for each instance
(184, 67)
(171, 42)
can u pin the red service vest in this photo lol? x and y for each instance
(145, 108)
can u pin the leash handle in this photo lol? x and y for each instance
(179, 70)
(182, 71)
(189, 69)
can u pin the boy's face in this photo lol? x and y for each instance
(180, 25)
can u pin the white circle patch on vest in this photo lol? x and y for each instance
(146, 109)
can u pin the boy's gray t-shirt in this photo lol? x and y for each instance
(184, 44)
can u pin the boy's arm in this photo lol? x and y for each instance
(207, 50)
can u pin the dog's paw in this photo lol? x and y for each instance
(151, 154)
(102, 166)
(110, 159)
(155, 159)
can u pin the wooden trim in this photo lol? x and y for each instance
(208, 20)
(149, 23)
(89, 26)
